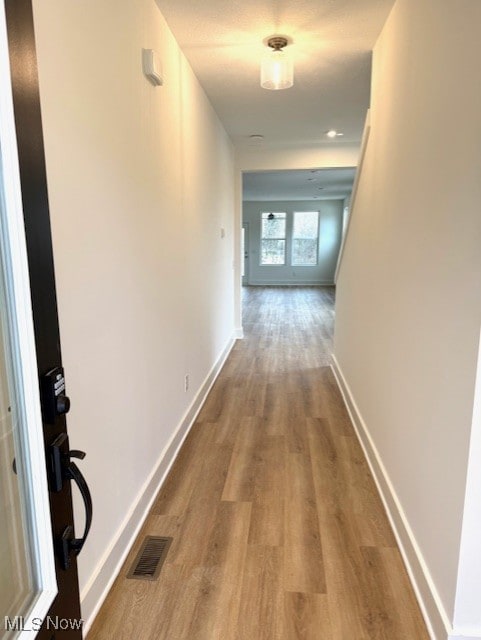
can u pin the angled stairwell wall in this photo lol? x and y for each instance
(408, 309)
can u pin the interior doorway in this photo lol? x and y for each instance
(292, 225)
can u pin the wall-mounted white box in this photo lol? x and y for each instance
(152, 67)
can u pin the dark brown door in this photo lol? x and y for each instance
(60, 469)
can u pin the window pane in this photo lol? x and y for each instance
(304, 252)
(275, 227)
(305, 233)
(273, 251)
(306, 224)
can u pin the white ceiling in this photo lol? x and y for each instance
(332, 42)
(331, 46)
(325, 184)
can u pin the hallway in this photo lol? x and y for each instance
(278, 530)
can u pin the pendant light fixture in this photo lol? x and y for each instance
(277, 71)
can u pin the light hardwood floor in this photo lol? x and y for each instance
(279, 533)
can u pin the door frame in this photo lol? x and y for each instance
(18, 290)
(245, 250)
(33, 181)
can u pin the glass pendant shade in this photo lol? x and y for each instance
(277, 71)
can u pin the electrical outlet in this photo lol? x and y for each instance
(186, 382)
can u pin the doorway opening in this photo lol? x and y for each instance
(292, 225)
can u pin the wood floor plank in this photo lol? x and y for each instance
(199, 518)
(405, 608)
(275, 410)
(174, 622)
(383, 618)
(303, 560)
(268, 503)
(297, 440)
(216, 401)
(176, 492)
(334, 481)
(278, 530)
(307, 616)
(262, 602)
(217, 608)
(343, 569)
(240, 481)
(134, 608)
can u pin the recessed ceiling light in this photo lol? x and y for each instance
(316, 170)
(321, 188)
(256, 137)
(311, 179)
(332, 133)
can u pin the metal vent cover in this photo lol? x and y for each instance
(149, 560)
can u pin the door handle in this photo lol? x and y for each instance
(63, 468)
(74, 473)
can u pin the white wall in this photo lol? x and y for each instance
(141, 181)
(408, 298)
(315, 156)
(330, 232)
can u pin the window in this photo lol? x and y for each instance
(305, 238)
(273, 238)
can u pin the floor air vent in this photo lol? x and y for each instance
(149, 560)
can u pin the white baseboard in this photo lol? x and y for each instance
(100, 583)
(238, 334)
(296, 283)
(435, 616)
